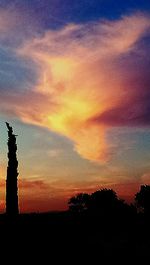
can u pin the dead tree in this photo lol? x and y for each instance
(12, 175)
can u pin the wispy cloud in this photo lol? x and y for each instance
(90, 77)
(7, 22)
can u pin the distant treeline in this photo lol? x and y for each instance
(105, 202)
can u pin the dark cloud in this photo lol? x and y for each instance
(134, 107)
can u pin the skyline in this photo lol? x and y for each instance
(74, 84)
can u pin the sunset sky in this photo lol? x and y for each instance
(75, 86)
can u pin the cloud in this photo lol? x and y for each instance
(55, 195)
(25, 104)
(7, 22)
(91, 77)
(39, 194)
(16, 24)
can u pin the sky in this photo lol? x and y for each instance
(75, 86)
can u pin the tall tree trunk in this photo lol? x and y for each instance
(12, 175)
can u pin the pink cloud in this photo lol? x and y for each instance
(86, 82)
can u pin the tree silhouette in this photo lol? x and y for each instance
(142, 198)
(12, 175)
(79, 203)
(103, 200)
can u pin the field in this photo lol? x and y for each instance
(62, 237)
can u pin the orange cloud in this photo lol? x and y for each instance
(43, 195)
(80, 78)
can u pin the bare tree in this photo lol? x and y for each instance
(12, 175)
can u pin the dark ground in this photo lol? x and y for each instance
(64, 238)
